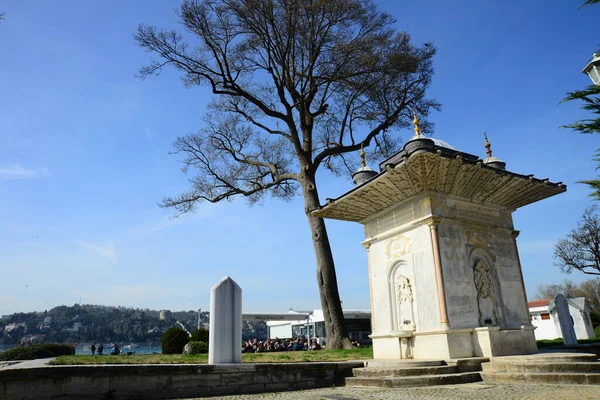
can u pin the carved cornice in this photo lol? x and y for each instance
(437, 172)
(432, 222)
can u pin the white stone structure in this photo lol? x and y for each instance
(357, 322)
(545, 319)
(444, 269)
(225, 333)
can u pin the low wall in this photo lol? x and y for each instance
(166, 381)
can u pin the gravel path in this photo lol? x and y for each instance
(479, 391)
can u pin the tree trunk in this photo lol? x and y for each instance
(337, 334)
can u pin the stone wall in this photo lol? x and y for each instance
(166, 381)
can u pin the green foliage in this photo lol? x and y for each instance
(200, 335)
(197, 347)
(588, 341)
(597, 331)
(174, 340)
(591, 102)
(588, 2)
(560, 342)
(550, 343)
(35, 351)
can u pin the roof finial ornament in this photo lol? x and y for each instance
(488, 145)
(417, 123)
(363, 161)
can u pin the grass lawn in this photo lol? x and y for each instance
(360, 353)
(560, 342)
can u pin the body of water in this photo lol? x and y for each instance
(82, 350)
(137, 349)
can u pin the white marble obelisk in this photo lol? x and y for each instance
(225, 344)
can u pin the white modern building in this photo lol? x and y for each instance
(358, 323)
(544, 317)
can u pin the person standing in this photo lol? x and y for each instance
(94, 349)
(100, 349)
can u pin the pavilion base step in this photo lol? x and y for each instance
(413, 381)
(394, 372)
(542, 377)
(378, 363)
(551, 368)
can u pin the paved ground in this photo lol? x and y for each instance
(479, 391)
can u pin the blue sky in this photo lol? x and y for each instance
(84, 155)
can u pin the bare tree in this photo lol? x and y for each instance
(550, 291)
(589, 289)
(580, 249)
(298, 84)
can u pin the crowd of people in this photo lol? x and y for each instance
(270, 345)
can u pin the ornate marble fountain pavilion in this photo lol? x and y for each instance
(444, 272)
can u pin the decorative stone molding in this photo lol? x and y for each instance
(398, 246)
(451, 176)
(477, 237)
(432, 222)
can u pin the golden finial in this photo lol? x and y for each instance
(488, 145)
(416, 122)
(363, 160)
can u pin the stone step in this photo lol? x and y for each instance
(414, 381)
(562, 357)
(553, 367)
(557, 378)
(403, 363)
(390, 372)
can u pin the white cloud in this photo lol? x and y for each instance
(148, 133)
(16, 171)
(106, 249)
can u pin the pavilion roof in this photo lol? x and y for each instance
(422, 166)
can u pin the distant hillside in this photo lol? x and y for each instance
(96, 323)
(92, 323)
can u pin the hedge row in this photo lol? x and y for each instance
(35, 351)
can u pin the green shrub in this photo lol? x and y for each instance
(195, 347)
(200, 335)
(550, 342)
(174, 340)
(35, 351)
(597, 331)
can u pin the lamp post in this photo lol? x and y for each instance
(592, 69)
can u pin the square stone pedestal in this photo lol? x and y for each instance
(454, 343)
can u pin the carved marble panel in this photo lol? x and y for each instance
(486, 298)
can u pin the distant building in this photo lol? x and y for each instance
(358, 324)
(544, 317)
(164, 315)
(14, 325)
(46, 323)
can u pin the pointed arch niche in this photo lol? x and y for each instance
(488, 295)
(402, 296)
